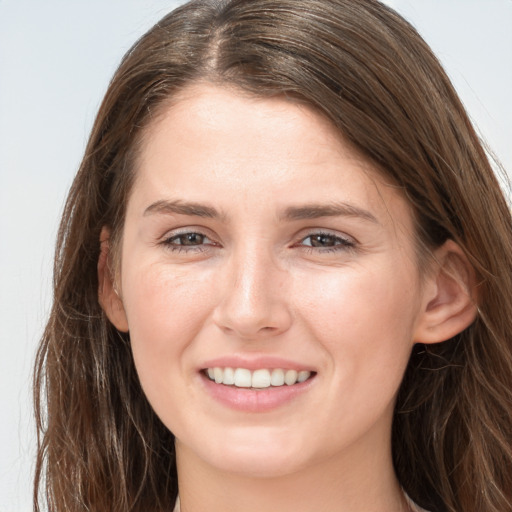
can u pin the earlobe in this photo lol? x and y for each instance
(108, 296)
(450, 302)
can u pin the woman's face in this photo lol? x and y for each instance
(258, 248)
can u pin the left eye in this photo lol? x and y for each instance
(188, 239)
(326, 240)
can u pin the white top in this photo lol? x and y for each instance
(412, 505)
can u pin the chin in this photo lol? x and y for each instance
(252, 452)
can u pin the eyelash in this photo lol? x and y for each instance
(169, 243)
(340, 243)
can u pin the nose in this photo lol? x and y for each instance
(253, 303)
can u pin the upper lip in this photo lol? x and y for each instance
(255, 363)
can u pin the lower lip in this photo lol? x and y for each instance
(255, 400)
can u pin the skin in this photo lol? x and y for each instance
(253, 285)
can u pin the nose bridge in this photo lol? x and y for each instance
(252, 284)
(253, 302)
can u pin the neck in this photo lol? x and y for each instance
(364, 484)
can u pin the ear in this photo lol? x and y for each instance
(450, 301)
(108, 296)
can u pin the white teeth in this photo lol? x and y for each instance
(243, 378)
(218, 375)
(229, 376)
(277, 378)
(290, 377)
(303, 375)
(259, 379)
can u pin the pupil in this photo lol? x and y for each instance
(322, 241)
(191, 239)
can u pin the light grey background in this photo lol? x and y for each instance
(56, 58)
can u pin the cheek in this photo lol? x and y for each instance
(360, 300)
(364, 324)
(165, 308)
(365, 321)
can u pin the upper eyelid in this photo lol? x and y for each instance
(187, 230)
(305, 233)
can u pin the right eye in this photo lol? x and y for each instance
(187, 241)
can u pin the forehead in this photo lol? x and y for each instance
(219, 144)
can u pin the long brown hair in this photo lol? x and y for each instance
(101, 447)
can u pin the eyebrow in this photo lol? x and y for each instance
(182, 208)
(308, 211)
(314, 211)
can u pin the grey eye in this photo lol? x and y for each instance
(188, 239)
(321, 240)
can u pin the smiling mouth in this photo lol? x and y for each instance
(257, 379)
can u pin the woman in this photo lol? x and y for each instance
(282, 277)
